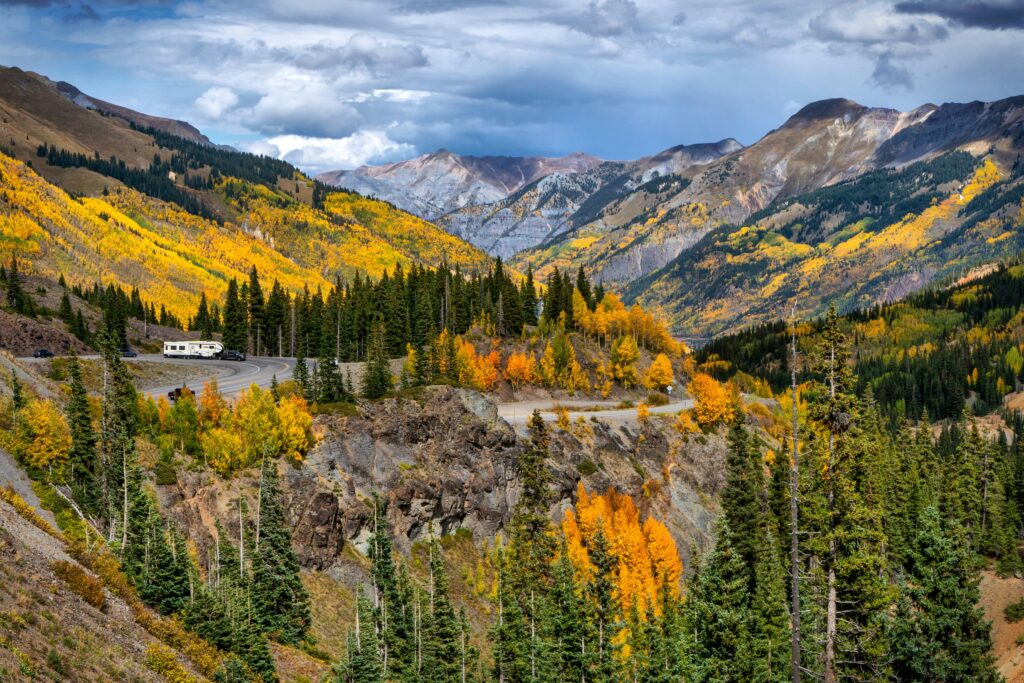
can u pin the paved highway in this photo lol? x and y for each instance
(519, 412)
(232, 376)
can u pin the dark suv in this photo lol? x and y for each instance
(43, 353)
(231, 354)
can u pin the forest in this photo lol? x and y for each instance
(893, 529)
(937, 353)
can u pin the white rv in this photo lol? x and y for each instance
(192, 349)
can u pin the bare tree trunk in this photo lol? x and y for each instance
(124, 511)
(794, 518)
(830, 613)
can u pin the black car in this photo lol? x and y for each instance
(231, 354)
(43, 353)
(128, 353)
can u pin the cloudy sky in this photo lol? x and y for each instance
(333, 84)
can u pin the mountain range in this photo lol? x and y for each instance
(650, 226)
(841, 203)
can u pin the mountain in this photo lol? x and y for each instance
(434, 184)
(507, 204)
(95, 197)
(182, 129)
(716, 248)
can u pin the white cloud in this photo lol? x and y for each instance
(322, 154)
(216, 102)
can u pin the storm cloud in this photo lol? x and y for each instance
(357, 81)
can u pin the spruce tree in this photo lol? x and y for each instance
(441, 642)
(768, 617)
(377, 378)
(363, 661)
(743, 497)
(938, 632)
(280, 602)
(717, 616)
(83, 463)
(529, 298)
(603, 611)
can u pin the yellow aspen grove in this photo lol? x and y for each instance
(647, 554)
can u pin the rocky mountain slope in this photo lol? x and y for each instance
(446, 462)
(659, 246)
(182, 129)
(442, 181)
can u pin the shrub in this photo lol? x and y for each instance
(586, 467)
(656, 398)
(160, 660)
(1014, 612)
(89, 588)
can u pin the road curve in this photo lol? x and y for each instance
(232, 376)
(519, 412)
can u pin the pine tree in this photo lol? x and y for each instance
(441, 642)
(377, 378)
(280, 602)
(717, 616)
(83, 463)
(938, 632)
(363, 662)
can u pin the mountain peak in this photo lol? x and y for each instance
(827, 109)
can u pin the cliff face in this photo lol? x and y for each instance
(447, 462)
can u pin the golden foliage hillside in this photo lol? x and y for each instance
(173, 256)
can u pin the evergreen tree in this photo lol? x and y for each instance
(441, 641)
(235, 334)
(768, 619)
(605, 622)
(583, 285)
(280, 602)
(83, 463)
(300, 373)
(392, 599)
(363, 662)
(743, 496)
(717, 616)
(939, 633)
(529, 298)
(377, 378)
(256, 331)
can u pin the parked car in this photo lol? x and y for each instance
(43, 353)
(129, 353)
(231, 354)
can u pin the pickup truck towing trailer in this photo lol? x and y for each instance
(192, 349)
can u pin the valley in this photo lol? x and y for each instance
(467, 441)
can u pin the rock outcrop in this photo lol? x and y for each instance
(447, 462)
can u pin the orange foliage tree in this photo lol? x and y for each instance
(713, 402)
(647, 556)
